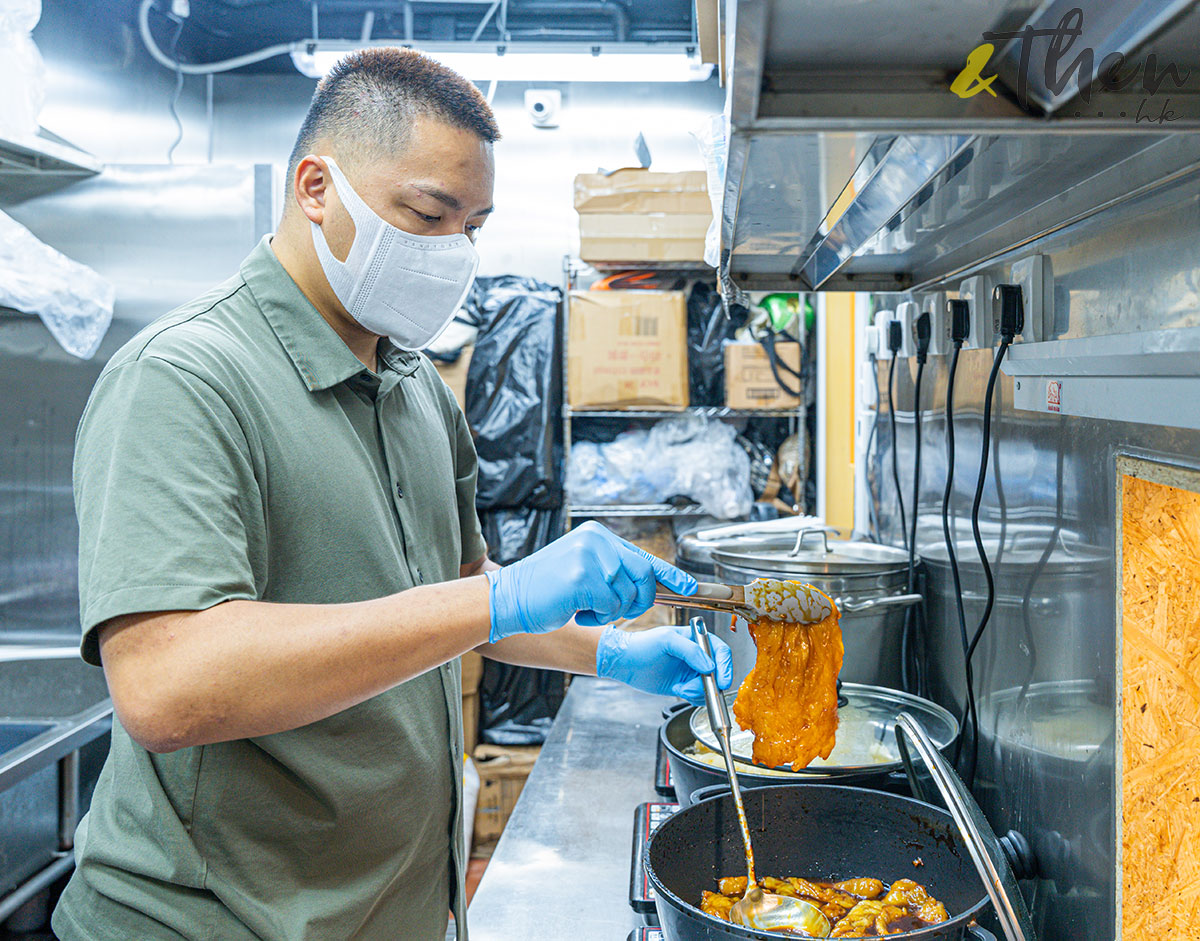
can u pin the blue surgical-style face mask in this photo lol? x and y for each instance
(399, 285)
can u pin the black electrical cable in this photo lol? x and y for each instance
(916, 491)
(872, 522)
(895, 455)
(911, 671)
(970, 717)
(1007, 298)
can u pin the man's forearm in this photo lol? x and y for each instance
(248, 668)
(571, 648)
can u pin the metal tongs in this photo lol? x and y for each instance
(764, 598)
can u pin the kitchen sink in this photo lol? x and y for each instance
(55, 716)
(13, 734)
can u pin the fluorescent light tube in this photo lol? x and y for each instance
(316, 59)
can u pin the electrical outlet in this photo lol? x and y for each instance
(906, 313)
(934, 304)
(977, 292)
(1035, 277)
(871, 342)
(882, 317)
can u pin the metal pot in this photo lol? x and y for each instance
(1047, 597)
(821, 831)
(859, 705)
(867, 581)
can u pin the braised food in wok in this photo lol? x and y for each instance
(856, 908)
(789, 699)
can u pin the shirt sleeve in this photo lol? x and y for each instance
(466, 472)
(166, 496)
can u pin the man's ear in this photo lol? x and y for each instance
(308, 187)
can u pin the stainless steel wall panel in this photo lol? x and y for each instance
(163, 235)
(1046, 668)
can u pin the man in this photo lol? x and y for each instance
(280, 560)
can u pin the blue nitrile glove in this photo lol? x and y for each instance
(589, 574)
(664, 660)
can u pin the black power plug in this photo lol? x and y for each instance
(960, 320)
(923, 332)
(1008, 310)
(895, 336)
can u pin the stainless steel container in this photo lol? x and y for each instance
(1044, 582)
(866, 580)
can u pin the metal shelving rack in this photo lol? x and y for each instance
(571, 269)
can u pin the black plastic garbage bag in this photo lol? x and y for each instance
(514, 391)
(517, 705)
(512, 534)
(708, 328)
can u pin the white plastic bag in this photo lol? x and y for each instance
(713, 140)
(73, 301)
(688, 456)
(22, 72)
(20, 16)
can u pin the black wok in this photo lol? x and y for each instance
(819, 831)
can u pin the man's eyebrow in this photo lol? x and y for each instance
(447, 199)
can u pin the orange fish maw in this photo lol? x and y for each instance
(789, 700)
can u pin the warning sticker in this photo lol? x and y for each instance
(1053, 396)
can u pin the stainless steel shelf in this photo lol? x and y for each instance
(705, 411)
(635, 509)
(33, 165)
(683, 266)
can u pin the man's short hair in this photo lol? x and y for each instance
(369, 99)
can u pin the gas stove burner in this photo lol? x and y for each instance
(646, 819)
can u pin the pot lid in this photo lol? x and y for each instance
(922, 762)
(866, 736)
(1024, 552)
(698, 546)
(812, 552)
(1058, 719)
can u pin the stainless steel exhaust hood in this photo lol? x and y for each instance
(885, 146)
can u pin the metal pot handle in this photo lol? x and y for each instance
(674, 709)
(981, 933)
(823, 531)
(709, 790)
(891, 601)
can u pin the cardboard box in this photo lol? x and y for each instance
(455, 375)
(631, 237)
(472, 674)
(502, 774)
(641, 215)
(749, 382)
(636, 190)
(627, 349)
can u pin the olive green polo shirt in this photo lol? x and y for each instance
(236, 448)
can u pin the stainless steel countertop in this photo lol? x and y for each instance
(561, 868)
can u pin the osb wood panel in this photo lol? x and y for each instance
(1160, 711)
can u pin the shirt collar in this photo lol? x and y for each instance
(320, 356)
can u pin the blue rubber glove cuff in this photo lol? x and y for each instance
(502, 606)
